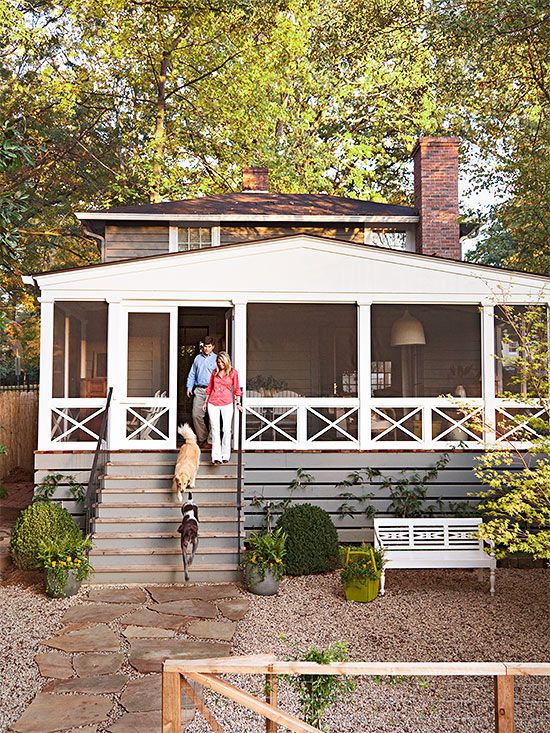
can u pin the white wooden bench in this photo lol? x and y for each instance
(432, 543)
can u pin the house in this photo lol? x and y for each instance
(352, 325)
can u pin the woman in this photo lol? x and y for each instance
(223, 389)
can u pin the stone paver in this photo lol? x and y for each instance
(201, 592)
(146, 632)
(147, 655)
(92, 664)
(48, 713)
(192, 607)
(118, 595)
(54, 664)
(95, 613)
(101, 685)
(207, 629)
(143, 694)
(98, 638)
(234, 609)
(146, 617)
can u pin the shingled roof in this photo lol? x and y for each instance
(254, 204)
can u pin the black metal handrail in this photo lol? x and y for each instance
(239, 480)
(98, 464)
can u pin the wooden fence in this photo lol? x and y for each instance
(18, 429)
(178, 674)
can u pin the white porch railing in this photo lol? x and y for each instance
(283, 423)
(74, 423)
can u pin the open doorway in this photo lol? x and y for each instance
(194, 324)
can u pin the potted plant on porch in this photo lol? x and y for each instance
(361, 572)
(66, 565)
(263, 562)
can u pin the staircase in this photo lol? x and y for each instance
(136, 518)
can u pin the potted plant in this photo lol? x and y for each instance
(263, 562)
(361, 572)
(66, 565)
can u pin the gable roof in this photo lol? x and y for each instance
(303, 264)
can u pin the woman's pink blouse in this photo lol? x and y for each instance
(222, 388)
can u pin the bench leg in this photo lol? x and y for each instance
(383, 583)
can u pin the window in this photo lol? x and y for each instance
(194, 238)
(79, 349)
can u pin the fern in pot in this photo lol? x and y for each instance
(263, 562)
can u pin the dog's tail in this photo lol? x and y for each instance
(187, 434)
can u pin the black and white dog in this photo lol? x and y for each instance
(189, 531)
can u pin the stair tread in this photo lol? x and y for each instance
(160, 568)
(159, 551)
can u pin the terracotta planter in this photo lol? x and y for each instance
(268, 586)
(59, 588)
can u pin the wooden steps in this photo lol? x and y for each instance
(136, 518)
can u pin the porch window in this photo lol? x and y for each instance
(148, 354)
(303, 350)
(429, 350)
(194, 238)
(79, 349)
(521, 358)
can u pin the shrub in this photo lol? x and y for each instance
(41, 522)
(312, 540)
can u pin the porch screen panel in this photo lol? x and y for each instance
(426, 351)
(148, 354)
(301, 350)
(521, 350)
(79, 349)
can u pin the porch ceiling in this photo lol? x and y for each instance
(299, 267)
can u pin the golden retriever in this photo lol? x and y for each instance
(187, 464)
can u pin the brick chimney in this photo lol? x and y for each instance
(255, 180)
(436, 196)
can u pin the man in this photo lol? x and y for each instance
(197, 382)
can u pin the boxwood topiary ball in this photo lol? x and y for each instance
(312, 540)
(44, 521)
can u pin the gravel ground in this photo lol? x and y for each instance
(425, 616)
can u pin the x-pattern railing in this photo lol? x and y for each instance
(64, 417)
(147, 423)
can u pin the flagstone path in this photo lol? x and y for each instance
(103, 667)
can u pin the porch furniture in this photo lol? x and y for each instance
(432, 543)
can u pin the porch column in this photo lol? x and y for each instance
(239, 351)
(116, 378)
(46, 374)
(488, 371)
(364, 371)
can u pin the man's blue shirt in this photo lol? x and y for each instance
(201, 369)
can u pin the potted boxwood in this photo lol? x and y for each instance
(66, 565)
(361, 572)
(263, 562)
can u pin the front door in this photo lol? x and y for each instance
(150, 377)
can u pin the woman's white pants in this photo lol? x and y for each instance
(220, 416)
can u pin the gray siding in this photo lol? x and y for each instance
(130, 241)
(269, 475)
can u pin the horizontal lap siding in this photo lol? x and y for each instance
(127, 242)
(269, 475)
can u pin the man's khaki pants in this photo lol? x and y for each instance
(198, 414)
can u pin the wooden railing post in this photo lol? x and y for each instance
(271, 683)
(504, 704)
(171, 702)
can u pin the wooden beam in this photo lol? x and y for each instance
(504, 704)
(171, 702)
(252, 703)
(272, 685)
(201, 707)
